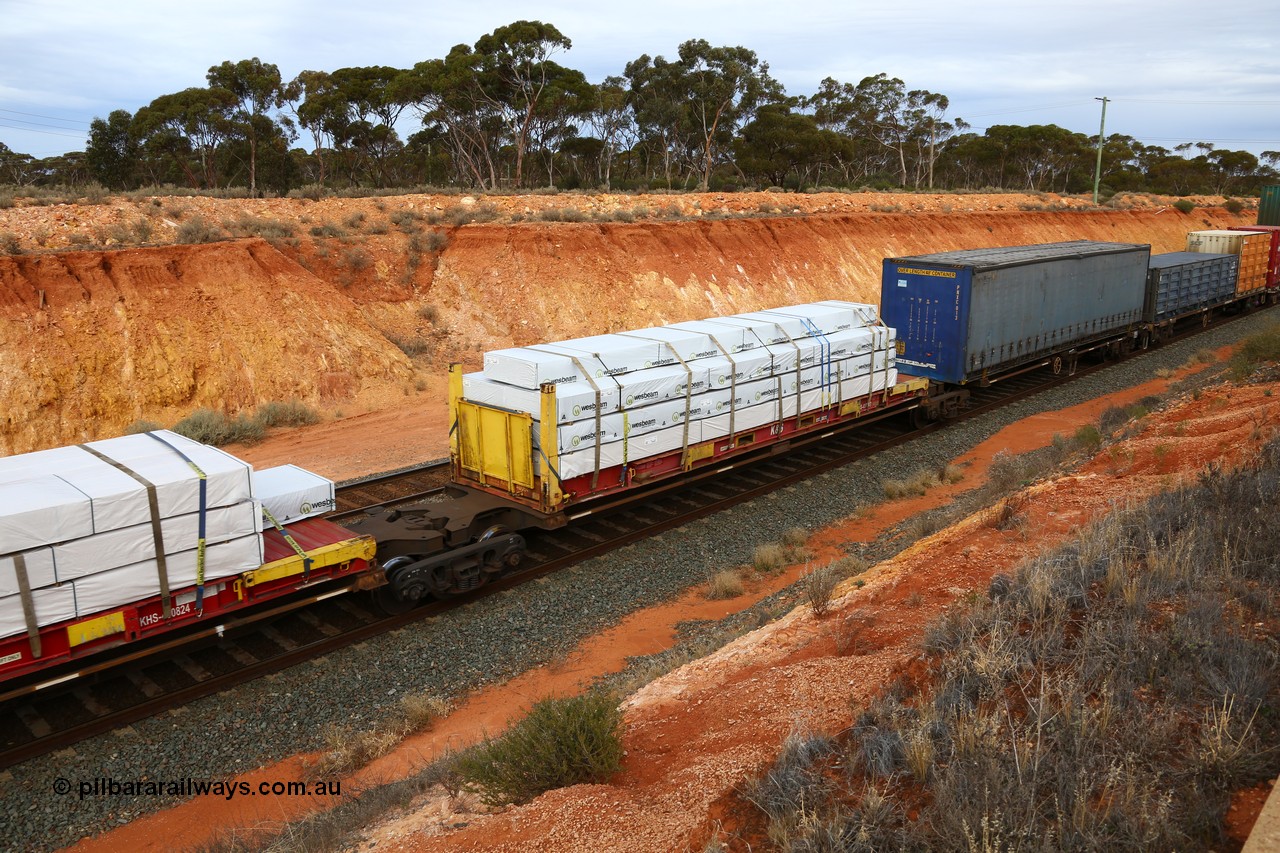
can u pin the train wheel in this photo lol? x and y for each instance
(384, 598)
(1057, 365)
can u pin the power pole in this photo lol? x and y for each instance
(1102, 129)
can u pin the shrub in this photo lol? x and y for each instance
(199, 230)
(215, 428)
(257, 226)
(327, 229)
(725, 584)
(289, 414)
(1233, 205)
(1088, 438)
(795, 783)
(1184, 205)
(915, 486)
(141, 426)
(1254, 350)
(436, 241)
(561, 742)
(1112, 419)
(9, 244)
(819, 584)
(356, 259)
(411, 347)
(405, 220)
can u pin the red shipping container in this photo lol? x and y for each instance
(1273, 264)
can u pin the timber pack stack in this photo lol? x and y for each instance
(91, 527)
(625, 397)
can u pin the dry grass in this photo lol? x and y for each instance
(346, 750)
(1109, 696)
(725, 584)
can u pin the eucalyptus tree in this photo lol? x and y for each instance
(112, 152)
(202, 118)
(658, 94)
(902, 121)
(613, 122)
(779, 143)
(518, 79)
(725, 86)
(258, 89)
(449, 97)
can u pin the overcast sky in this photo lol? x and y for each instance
(1176, 71)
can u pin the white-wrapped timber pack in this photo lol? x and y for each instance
(635, 394)
(89, 524)
(291, 493)
(69, 492)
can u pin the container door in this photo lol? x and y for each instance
(928, 305)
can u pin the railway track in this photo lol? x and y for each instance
(57, 709)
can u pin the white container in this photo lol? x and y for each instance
(621, 452)
(743, 367)
(822, 319)
(767, 328)
(631, 422)
(291, 493)
(645, 387)
(866, 314)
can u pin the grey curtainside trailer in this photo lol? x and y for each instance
(969, 315)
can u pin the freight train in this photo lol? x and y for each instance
(548, 434)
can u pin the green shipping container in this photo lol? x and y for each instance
(1269, 206)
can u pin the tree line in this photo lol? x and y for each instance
(503, 114)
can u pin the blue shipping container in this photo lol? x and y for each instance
(964, 315)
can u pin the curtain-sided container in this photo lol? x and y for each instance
(1181, 283)
(1253, 248)
(967, 315)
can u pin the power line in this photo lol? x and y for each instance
(1202, 103)
(45, 132)
(1144, 138)
(35, 123)
(51, 118)
(1030, 109)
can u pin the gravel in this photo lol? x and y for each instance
(487, 641)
